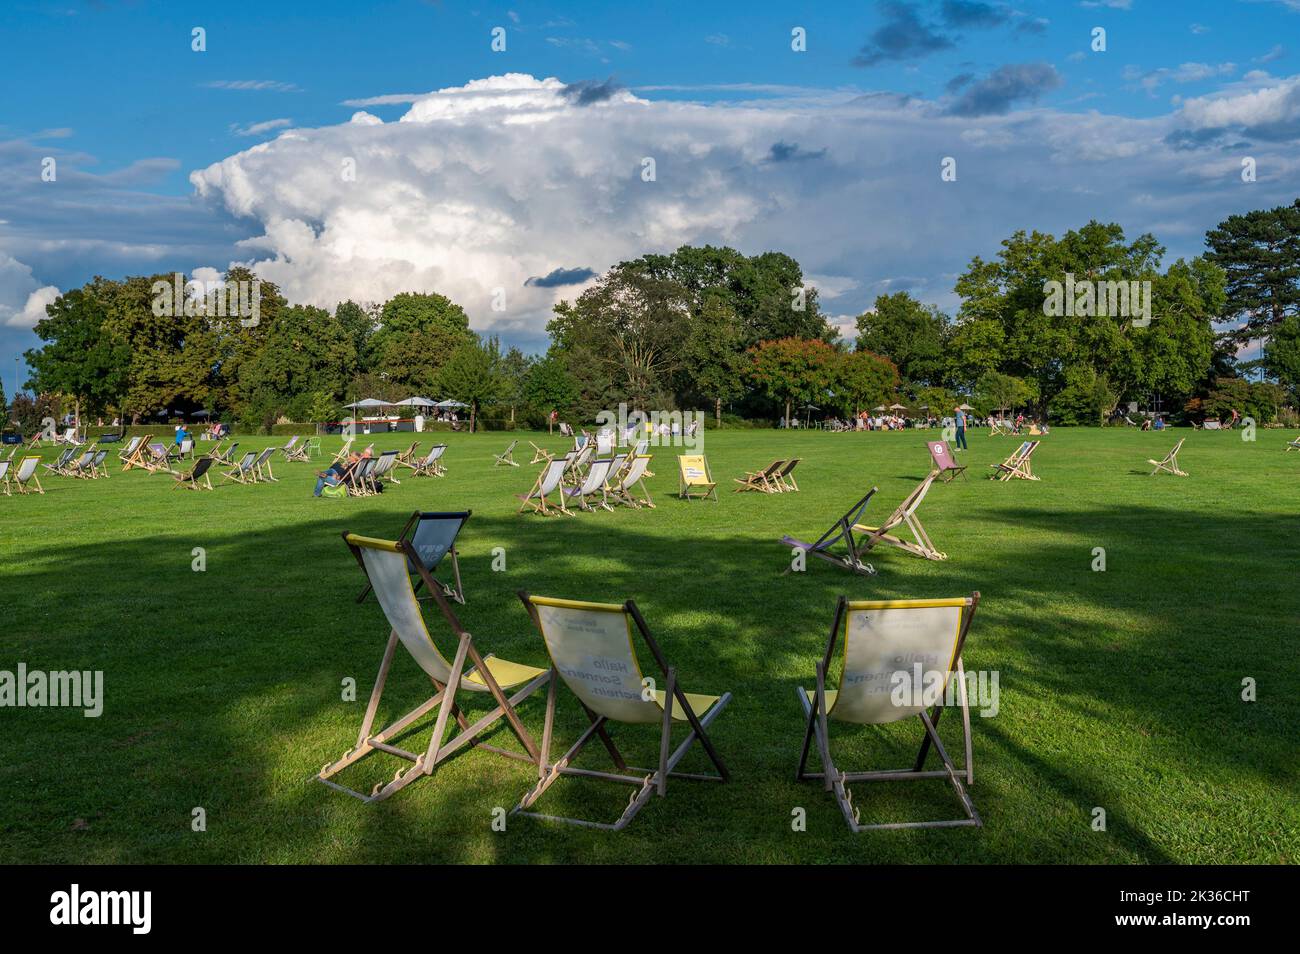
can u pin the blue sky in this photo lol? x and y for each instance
(758, 145)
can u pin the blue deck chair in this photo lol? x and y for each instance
(842, 529)
(433, 535)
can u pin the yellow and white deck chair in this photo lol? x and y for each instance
(694, 478)
(1018, 465)
(591, 649)
(4, 477)
(1169, 464)
(904, 514)
(998, 427)
(388, 564)
(898, 660)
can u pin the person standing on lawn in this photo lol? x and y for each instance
(961, 428)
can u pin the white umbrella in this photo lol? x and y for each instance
(368, 403)
(897, 407)
(417, 402)
(449, 404)
(965, 407)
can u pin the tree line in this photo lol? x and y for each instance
(743, 336)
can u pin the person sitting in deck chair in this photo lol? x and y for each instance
(332, 475)
(887, 645)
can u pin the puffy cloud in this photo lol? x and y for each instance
(1268, 112)
(22, 297)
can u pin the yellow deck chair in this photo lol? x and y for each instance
(695, 479)
(887, 644)
(591, 649)
(388, 565)
(905, 514)
(1169, 464)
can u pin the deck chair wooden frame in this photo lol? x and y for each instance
(507, 457)
(944, 462)
(764, 481)
(605, 627)
(693, 474)
(25, 475)
(904, 515)
(262, 466)
(62, 463)
(841, 531)
(998, 428)
(5, 466)
(549, 484)
(197, 477)
(1169, 463)
(342, 455)
(226, 456)
(128, 450)
(1019, 465)
(594, 483)
(157, 458)
(1293, 445)
(874, 665)
(785, 479)
(431, 464)
(299, 452)
(432, 553)
(407, 458)
(634, 476)
(386, 564)
(242, 471)
(539, 454)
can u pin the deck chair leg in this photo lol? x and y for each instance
(666, 731)
(951, 770)
(440, 725)
(459, 594)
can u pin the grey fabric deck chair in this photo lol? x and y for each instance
(131, 447)
(633, 477)
(785, 479)
(243, 471)
(764, 481)
(547, 494)
(196, 478)
(840, 531)
(1169, 463)
(62, 462)
(357, 477)
(289, 448)
(1293, 445)
(431, 464)
(592, 485)
(433, 535)
(297, 450)
(226, 456)
(157, 458)
(262, 466)
(507, 457)
(903, 515)
(387, 565)
(81, 467)
(591, 650)
(97, 468)
(884, 643)
(382, 470)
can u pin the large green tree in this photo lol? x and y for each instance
(472, 374)
(80, 358)
(417, 333)
(909, 334)
(1260, 253)
(793, 370)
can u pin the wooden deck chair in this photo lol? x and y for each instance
(387, 565)
(887, 644)
(591, 650)
(289, 448)
(182, 451)
(785, 479)
(243, 472)
(593, 485)
(431, 464)
(1293, 445)
(383, 470)
(507, 457)
(69, 436)
(342, 455)
(95, 469)
(903, 515)
(25, 476)
(579, 461)
(841, 531)
(140, 456)
(5, 466)
(356, 477)
(1018, 464)
(944, 461)
(539, 453)
(694, 479)
(226, 456)
(196, 478)
(407, 457)
(434, 537)
(604, 444)
(262, 466)
(565, 429)
(548, 485)
(157, 458)
(299, 452)
(81, 467)
(764, 481)
(1169, 464)
(633, 477)
(128, 451)
(62, 462)
(998, 428)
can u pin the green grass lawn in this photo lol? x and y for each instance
(1119, 689)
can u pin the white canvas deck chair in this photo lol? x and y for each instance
(592, 486)
(841, 531)
(342, 455)
(430, 465)
(604, 443)
(297, 450)
(998, 428)
(5, 466)
(578, 462)
(25, 476)
(387, 565)
(548, 485)
(591, 650)
(905, 514)
(182, 451)
(69, 436)
(507, 457)
(433, 535)
(633, 477)
(565, 430)
(1293, 445)
(128, 451)
(694, 480)
(764, 481)
(887, 644)
(1018, 464)
(243, 471)
(383, 469)
(1169, 464)
(289, 448)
